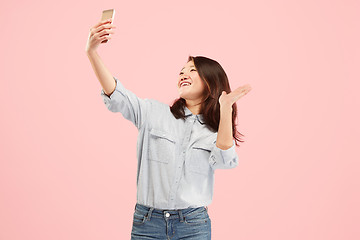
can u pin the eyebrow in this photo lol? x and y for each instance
(190, 66)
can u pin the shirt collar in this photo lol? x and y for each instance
(199, 117)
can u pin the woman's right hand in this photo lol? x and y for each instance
(96, 34)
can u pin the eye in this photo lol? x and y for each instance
(190, 71)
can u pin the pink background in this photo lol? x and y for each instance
(68, 164)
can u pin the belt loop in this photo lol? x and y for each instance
(149, 213)
(181, 216)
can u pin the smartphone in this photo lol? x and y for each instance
(106, 14)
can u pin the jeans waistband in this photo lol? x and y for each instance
(171, 213)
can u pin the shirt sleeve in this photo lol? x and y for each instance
(223, 159)
(127, 103)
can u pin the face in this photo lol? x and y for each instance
(190, 86)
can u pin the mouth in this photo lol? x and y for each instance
(185, 84)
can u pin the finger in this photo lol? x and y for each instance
(243, 89)
(237, 92)
(240, 92)
(100, 30)
(101, 23)
(101, 34)
(238, 97)
(107, 26)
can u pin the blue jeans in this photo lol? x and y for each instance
(188, 223)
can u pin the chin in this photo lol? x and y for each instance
(184, 96)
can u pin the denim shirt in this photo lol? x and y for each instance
(176, 158)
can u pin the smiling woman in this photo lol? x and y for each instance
(179, 147)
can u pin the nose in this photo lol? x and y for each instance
(183, 77)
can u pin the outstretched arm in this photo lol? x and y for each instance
(102, 73)
(225, 134)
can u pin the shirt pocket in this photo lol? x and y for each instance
(199, 159)
(161, 146)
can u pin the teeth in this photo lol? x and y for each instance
(185, 84)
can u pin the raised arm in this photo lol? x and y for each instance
(96, 35)
(225, 134)
(102, 73)
(223, 154)
(115, 96)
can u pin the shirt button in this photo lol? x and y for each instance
(167, 214)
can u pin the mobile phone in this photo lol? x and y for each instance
(106, 14)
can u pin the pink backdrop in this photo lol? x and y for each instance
(68, 165)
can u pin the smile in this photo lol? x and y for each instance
(185, 83)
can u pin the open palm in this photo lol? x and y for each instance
(228, 99)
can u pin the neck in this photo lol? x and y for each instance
(193, 106)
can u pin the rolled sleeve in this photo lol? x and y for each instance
(127, 103)
(224, 159)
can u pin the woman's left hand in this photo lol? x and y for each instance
(228, 99)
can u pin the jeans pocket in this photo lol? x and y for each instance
(139, 217)
(197, 218)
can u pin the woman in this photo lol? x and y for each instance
(178, 147)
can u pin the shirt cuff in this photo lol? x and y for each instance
(224, 159)
(108, 98)
(228, 153)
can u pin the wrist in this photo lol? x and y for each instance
(226, 108)
(91, 53)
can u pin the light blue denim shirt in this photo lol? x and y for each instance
(176, 158)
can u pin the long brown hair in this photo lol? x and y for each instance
(215, 78)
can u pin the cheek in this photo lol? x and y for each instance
(202, 86)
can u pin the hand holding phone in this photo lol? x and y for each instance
(107, 14)
(100, 32)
